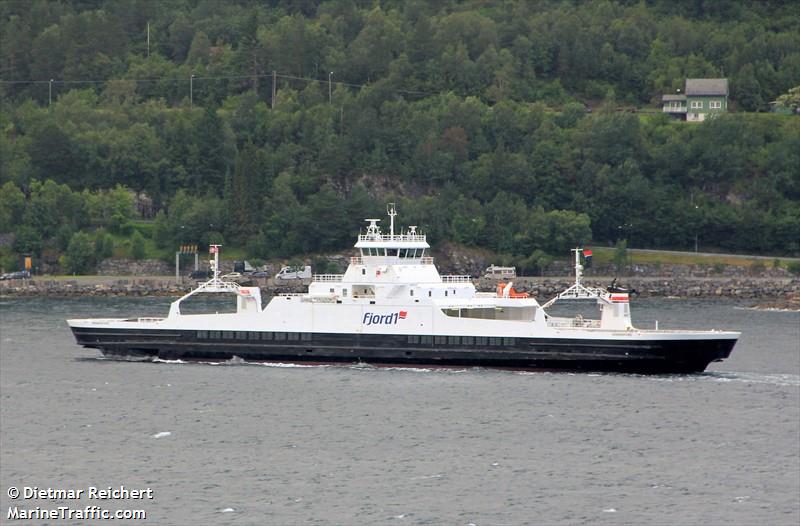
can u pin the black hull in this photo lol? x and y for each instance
(628, 355)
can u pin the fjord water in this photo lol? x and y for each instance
(255, 444)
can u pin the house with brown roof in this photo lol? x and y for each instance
(701, 98)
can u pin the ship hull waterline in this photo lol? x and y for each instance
(642, 356)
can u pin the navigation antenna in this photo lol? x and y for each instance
(577, 291)
(392, 212)
(214, 249)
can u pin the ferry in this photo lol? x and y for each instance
(392, 307)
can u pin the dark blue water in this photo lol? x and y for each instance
(256, 444)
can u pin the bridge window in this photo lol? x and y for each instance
(241, 335)
(202, 335)
(452, 340)
(280, 335)
(391, 251)
(440, 340)
(468, 340)
(481, 340)
(294, 336)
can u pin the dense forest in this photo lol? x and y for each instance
(521, 127)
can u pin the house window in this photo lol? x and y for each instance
(697, 104)
(715, 105)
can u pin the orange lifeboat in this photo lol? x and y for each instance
(511, 293)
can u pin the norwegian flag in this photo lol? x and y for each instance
(403, 314)
(213, 250)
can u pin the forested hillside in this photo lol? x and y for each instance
(277, 126)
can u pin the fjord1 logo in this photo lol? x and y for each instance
(383, 319)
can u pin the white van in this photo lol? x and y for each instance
(288, 273)
(495, 272)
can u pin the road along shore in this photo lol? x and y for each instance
(756, 288)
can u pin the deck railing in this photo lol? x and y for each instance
(358, 260)
(396, 237)
(457, 279)
(328, 278)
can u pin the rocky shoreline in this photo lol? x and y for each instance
(776, 292)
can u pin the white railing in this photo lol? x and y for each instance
(674, 109)
(576, 322)
(328, 278)
(396, 237)
(456, 279)
(358, 260)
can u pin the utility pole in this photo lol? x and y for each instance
(273, 88)
(330, 91)
(191, 91)
(50, 94)
(148, 39)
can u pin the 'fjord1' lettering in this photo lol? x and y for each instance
(383, 319)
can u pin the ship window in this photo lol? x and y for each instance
(294, 336)
(253, 336)
(228, 335)
(344, 293)
(413, 339)
(214, 335)
(495, 341)
(241, 335)
(266, 335)
(305, 336)
(440, 340)
(445, 293)
(452, 340)
(280, 335)
(468, 340)
(508, 341)
(202, 335)
(332, 290)
(391, 251)
(401, 253)
(363, 272)
(481, 340)
(411, 292)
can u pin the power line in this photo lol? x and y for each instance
(215, 77)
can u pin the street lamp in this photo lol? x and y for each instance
(696, 228)
(50, 94)
(191, 91)
(330, 90)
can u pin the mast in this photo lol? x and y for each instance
(578, 266)
(392, 212)
(214, 249)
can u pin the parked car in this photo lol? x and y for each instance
(22, 274)
(200, 274)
